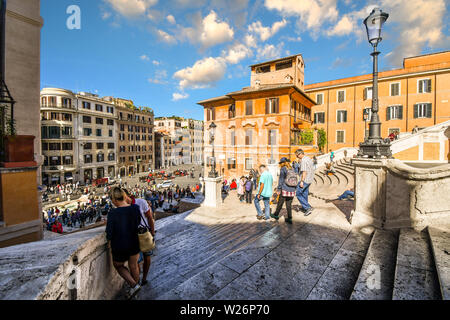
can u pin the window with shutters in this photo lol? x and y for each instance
(233, 138)
(340, 136)
(248, 107)
(99, 132)
(87, 132)
(422, 110)
(100, 146)
(319, 117)
(87, 119)
(395, 89)
(99, 120)
(319, 98)
(231, 163)
(86, 105)
(272, 137)
(341, 96)
(232, 111)
(100, 157)
(110, 122)
(368, 93)
(248, 137)
(272, 105)
(87, 158)
(394, 113)
(99, 107)
(248, 164)
(424, 86)
(341, 116)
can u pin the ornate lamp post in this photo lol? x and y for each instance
(6, 100)
(374, 146)
(212, 134)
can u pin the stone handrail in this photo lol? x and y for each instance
(338, 155)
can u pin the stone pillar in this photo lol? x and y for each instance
(213, 192)
(370, 193)
(391, 194)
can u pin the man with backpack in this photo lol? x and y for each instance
(287, 184)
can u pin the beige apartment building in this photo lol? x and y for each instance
(196, 139)
(413, 97)
(78, 136)
(136, 137)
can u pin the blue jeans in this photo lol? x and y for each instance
(346, 194)
(302, 195)
(266, 206)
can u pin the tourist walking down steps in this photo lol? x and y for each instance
(306, 171)
(287, 184)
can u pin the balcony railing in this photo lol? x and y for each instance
(57, 105)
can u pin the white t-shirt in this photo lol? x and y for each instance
(143, 208)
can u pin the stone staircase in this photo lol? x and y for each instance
(226, 253)
(327, 187)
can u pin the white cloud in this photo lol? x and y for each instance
(106, 15)
(160, 77)
(165, 37)
(179, 96)
(209, 32)
(144, 57)
(171, 19)
(156, 62)
(407, 26)
(270, 52)
(202, 74)
(214, 31)
(251, 41)
(132, 8)
(236, 53)
(312, 14)
(265, 32)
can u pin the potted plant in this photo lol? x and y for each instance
(16, 150)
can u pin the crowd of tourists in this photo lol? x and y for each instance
(294, 181)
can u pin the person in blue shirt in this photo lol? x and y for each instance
(264, 192)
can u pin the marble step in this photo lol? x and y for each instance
(338, 280)
(440, 244)
(199, 256)
(376, 278)
(209, 281)
(415, 272)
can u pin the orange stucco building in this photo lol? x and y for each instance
(262, 121)
(416, 96)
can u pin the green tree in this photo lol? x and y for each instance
(321, 139)
(307, 136)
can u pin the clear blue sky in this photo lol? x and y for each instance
(170, 54)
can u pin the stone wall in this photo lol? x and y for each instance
(392, 194)
(75, 266)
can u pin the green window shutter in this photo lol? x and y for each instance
(267, 106)
(429, 86)
(345, 116)
(388, 113)
(277, 105)
(400, 112)
(420, 86)
(428, 110)
(365, 94)
(416, 111)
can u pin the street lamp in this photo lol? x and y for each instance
(374, 146)
(212, 134)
